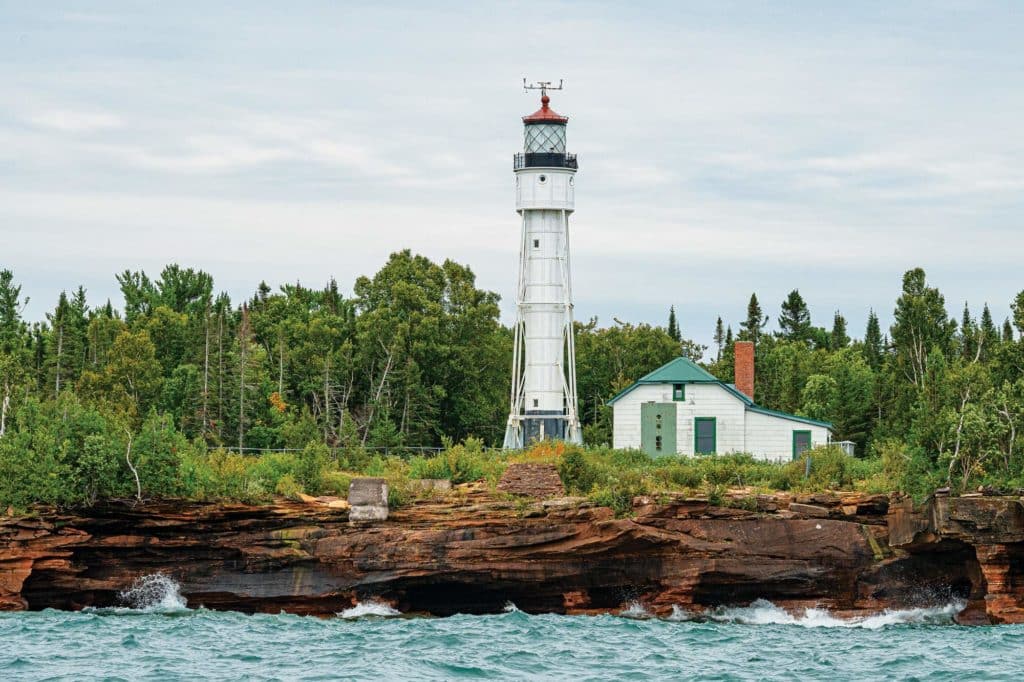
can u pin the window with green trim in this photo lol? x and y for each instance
(705, 435)
(678, 392)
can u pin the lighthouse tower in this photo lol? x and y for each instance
(543, 396)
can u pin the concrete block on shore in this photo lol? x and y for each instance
(368, 499)
(427, 485)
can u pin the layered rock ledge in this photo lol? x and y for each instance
(470, 551)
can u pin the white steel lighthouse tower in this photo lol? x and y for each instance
(543, 397)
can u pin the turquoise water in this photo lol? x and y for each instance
(164, 641)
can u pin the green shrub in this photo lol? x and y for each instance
(462, 463)
(354, 458)
(679, 474)
(222, 475)
(310, 466)
(336, 483)
(830, 469)
(288, 487)
(396, 472)
(157, 454)
(618, 491)
(577, 474)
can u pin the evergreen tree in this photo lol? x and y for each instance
(839, 338)
(873, 344)
(15, 344)
(673, 325)
(719, 338)
(968, 334)
(138, 292)
(755, 323)
(68, 346)
(12, 329)
(795, 319)
(988, 333)
(1007, 331)
(1018, 313)
(921, 324)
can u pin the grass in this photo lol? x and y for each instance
(606, 476)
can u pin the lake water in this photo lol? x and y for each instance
(162, 640)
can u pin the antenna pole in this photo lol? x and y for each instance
(543, 86)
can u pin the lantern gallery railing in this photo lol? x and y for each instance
(543, 160)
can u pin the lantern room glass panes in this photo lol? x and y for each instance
(544, 138)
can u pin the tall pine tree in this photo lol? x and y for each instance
(673, 325)
(755, 323)
(795, 319)
(873, 347)
(988, 333)
(839, 338)
(719, 338)
(968, 334)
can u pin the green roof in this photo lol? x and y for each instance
(686, 371)
(678, 371)
(787, 415)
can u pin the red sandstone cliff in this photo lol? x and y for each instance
(473, 553)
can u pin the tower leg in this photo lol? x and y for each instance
(513, 436)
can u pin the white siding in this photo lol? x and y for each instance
(702, 400)
(771, 437)
(737, 429)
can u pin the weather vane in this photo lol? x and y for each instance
(543, 86)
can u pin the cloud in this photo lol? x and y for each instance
(721, 151)
(76, 121)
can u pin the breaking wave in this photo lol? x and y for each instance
(635, 610)
(763, 612)
(370, 609)
(155, 593)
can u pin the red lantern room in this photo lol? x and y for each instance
(544, 137)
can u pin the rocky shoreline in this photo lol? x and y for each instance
(468, 550)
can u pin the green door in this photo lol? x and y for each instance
(658, 428)
(801, 443)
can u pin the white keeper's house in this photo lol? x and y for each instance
(682, 409)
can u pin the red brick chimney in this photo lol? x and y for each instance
(743, 359)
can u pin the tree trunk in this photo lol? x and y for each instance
(128, 458)
(4, 406)
(220, 375)
(206, 372)
(380, 389)
(243, 343)
(280, 363)
(327, 396)
(60, 351)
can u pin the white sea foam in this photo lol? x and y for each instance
(154, 593)
(635, 610)
(763, 612)
(364, 609)
(679, 614)
(510, 608)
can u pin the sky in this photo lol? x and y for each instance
(724, 147)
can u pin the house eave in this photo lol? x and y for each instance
(748, 404)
